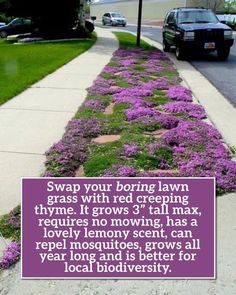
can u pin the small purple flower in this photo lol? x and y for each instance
(120, 171)
(10, 255)
(158, 84)
(162, 152)
(193, 110)
(179, 93)
(168, 121)
(14, 218)
(65, 156)
(48, 174)
(157, 174)
(83, 128)
(127, 62)
(110, 70)
(130, 150)
(103, 87)
(191, 133)
(126, 74)
(93, 104)
(135, 113)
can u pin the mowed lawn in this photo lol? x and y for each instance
(22, 65)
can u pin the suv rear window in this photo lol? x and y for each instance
(116, 15)
(197, 16)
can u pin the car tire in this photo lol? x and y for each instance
(223, 53)
(89, 26)
(180, 53)
(166, 46)
(103, 23)
(3, 34)
(124, 25)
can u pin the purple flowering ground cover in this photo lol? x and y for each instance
(162, 132)
(10, 255)
(10, 229)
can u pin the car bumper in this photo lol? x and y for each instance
(193, 45)
(119, 23)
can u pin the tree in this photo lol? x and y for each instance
(52, 17)
(212, 4)
(230, 6)
(4, 4)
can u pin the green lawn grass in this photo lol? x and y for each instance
(127, 40)
(22, 65)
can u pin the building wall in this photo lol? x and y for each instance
(153, 10)
(213, 4)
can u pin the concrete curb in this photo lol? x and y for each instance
(128, 24)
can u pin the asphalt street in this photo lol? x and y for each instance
(221, 74)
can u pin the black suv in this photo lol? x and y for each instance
(190, 29)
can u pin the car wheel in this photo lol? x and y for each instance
(89, 26)
(124, 25)
(223, 53)
(166, 46)
(3, 34)
(180, 52)
(103, 23)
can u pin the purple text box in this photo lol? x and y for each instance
(118, 228)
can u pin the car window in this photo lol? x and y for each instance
(16, 22)
(27, 21)
(171, 18)
(198, 16)
(166, 18)
(116, 15)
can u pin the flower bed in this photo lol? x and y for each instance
(146, 96)
(10, 228)
(11, 255)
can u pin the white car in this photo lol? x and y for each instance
(113, 19)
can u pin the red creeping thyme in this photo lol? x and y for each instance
(192, 147)
(10, 255)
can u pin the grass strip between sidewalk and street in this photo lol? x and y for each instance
(152, 127)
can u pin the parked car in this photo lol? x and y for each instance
(16, 26)
(113, 19)
(190, 29)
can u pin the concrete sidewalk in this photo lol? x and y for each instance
(32, 121)
(10, 281)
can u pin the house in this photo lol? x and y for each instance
(153, 10)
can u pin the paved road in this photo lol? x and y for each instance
(221, 74)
